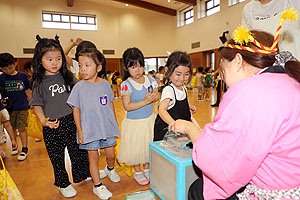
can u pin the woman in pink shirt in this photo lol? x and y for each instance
(254, 140)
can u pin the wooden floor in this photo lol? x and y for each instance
(34, 176)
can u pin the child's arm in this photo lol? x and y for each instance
(163, 113)
(68, 49)
(76, 114)
(193, 109)
(128, 106)
(28, 93)
(45, 121)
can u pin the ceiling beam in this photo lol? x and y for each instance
(70, 3)
(150, 6)
(189, 2)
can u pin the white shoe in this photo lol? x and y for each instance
(113, 176)
(102, 175)
(68, 191)
(14, 151)
(37, 140)
(22, 156)
(102, 192)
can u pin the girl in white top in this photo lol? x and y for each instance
(173, 103)
(264, 15)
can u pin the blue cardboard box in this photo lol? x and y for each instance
(171, 171)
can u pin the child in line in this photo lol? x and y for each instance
(94, 114)
(52, 84)
(116, 81)
(137, 128)
(174, 103)
(207, 83)
(199, 83)
(17, 88)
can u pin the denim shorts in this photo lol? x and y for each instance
(99, 144)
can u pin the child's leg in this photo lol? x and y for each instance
(79, 157)
(146, 170)
(10, 132)
(110, 156)
(94, 167)
(109, 149)
(23, 136)
(55, 146)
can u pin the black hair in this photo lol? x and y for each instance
(84, 45)
(161, 68)
(117, 73)
(200, 69)
(207, 69)
(6, 59)
(131, 57)
(97, 57)
(28, 65)
(43, 46)
(177, 58)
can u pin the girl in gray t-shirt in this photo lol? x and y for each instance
(52, 83)
(92, 102)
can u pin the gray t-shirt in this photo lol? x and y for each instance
(52, 95)
(96, 116)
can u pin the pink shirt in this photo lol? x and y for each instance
(255, 138)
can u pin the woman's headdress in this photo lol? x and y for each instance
(242, 36)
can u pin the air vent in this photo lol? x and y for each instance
(195, 45)
(28, 50)
(109, 52)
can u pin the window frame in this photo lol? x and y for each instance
(191, 11)
(213, 7)
(70, 22)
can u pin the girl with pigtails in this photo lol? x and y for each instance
(52, 84)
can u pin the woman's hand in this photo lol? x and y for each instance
(51, 124)
(179, 126)
(191, 129)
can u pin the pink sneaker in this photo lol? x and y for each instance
(140, 178)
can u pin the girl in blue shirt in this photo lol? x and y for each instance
(137, 97)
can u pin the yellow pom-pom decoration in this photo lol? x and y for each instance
(241, 35)
(290, 14)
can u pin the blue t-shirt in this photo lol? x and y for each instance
(138, 93)
(96, 116)
(15, 87)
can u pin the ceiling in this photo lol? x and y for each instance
(162, 6)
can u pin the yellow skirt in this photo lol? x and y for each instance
(135, 138)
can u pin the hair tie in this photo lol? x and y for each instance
(38, 37)
(56, 38)
(283, 57)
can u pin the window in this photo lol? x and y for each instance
(154, 64)
(212, 7)
(185, 16)
(233, 2)
(201, 9)
(189, 16)
(68, 21)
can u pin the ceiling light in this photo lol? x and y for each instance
(126, 4)
(169, 1)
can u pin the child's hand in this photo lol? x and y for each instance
(193, 109)
(77, 41)
(51, 124)
(80, 138)
(150, 97)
